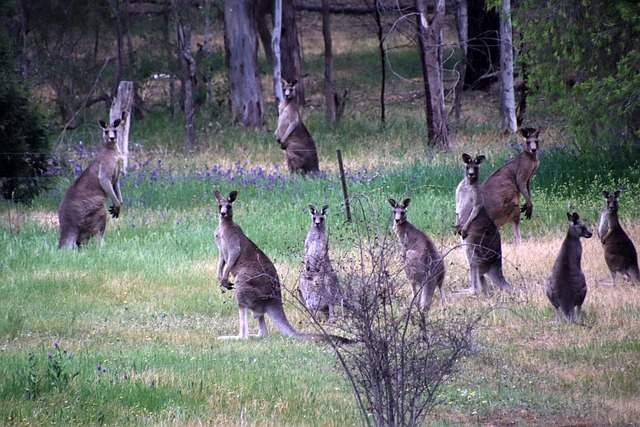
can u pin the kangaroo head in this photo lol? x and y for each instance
(472, 166)
(399, 210)
(612, 200)
(110, 132)
(288, 88)
(576, 227)
(318, 217)
(531, 139)
(225, 205)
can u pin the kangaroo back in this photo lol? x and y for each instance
(566, 286)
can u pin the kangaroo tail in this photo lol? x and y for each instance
(278, 316)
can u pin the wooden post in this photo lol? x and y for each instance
(123, 104)
(344, 187)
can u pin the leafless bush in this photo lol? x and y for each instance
(402, 355)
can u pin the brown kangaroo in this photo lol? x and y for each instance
(566, 286)
(502, 189)
(423, 263)
(480, 235)
(82, 213)
(619, 251)
(319, 284)
(299, 149)
(256, 279)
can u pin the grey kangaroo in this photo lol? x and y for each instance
(82, 213)
(319, 284)
(257, 286)
(423, 263)
(502, 189)
(480, 235)
(619, 252)
(566, 286)
(299, 149)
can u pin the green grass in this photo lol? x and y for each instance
(147, 307)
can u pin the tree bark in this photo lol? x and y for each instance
(241, 51)
(507, 96)
(383, 61)
(328, 63)
(462, 25)
(430, 41)
(275, 46)
(188, 77)
(290, 50)
(123, 103)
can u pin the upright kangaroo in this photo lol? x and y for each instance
(502, 189)
(256, 280)
(619, 252)
(292, 135)
(480, 235)
(319, 284)
(566, 286)
(82, 213)
(423, 263)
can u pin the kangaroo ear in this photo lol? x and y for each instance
(536, 132)
(294, 82)
(116, 123)
(480, 159)
(617, 194)
(405, 202)
(605, 193)
(124, 116)
(325, 208)
(576, 217)
(466, 158)
(232, 196)
(312, 209)
(393, 203)
(102, 124)
(218, 195)
(283, 81)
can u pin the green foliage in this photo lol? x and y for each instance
(584, 56)
(24, 146)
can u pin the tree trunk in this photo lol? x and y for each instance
(275, 45)
(241, 51)
(328, 63)
(211, 92)
(263, 9)
(188, 76)
(168, 19)
(290, 50)
(462, 22)
(383, 62)
(430, 38)
(123, 103)
(507, 95)
(483, 47)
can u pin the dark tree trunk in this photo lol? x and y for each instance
(241, 51)
(483, 56)
(188, 77)
(462, 21)
(328, 63)
(264, 9)
(383, 62)
(291, 59)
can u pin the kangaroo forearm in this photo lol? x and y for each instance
(108, 188)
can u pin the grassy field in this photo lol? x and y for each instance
(125, 334)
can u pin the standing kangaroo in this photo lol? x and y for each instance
(619, 252)
(82, 213)
(480, 235)
(566, 286)
(423, 263)
(292, 135)
(319, 284)
(501, 190)
(256, 279)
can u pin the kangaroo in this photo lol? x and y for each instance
(292, 135)
(319, 284)
(501, 190)
(480, 235)
(82, 212)
(566, 286)
(423, 263)
(619, 251)
(257, 286)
